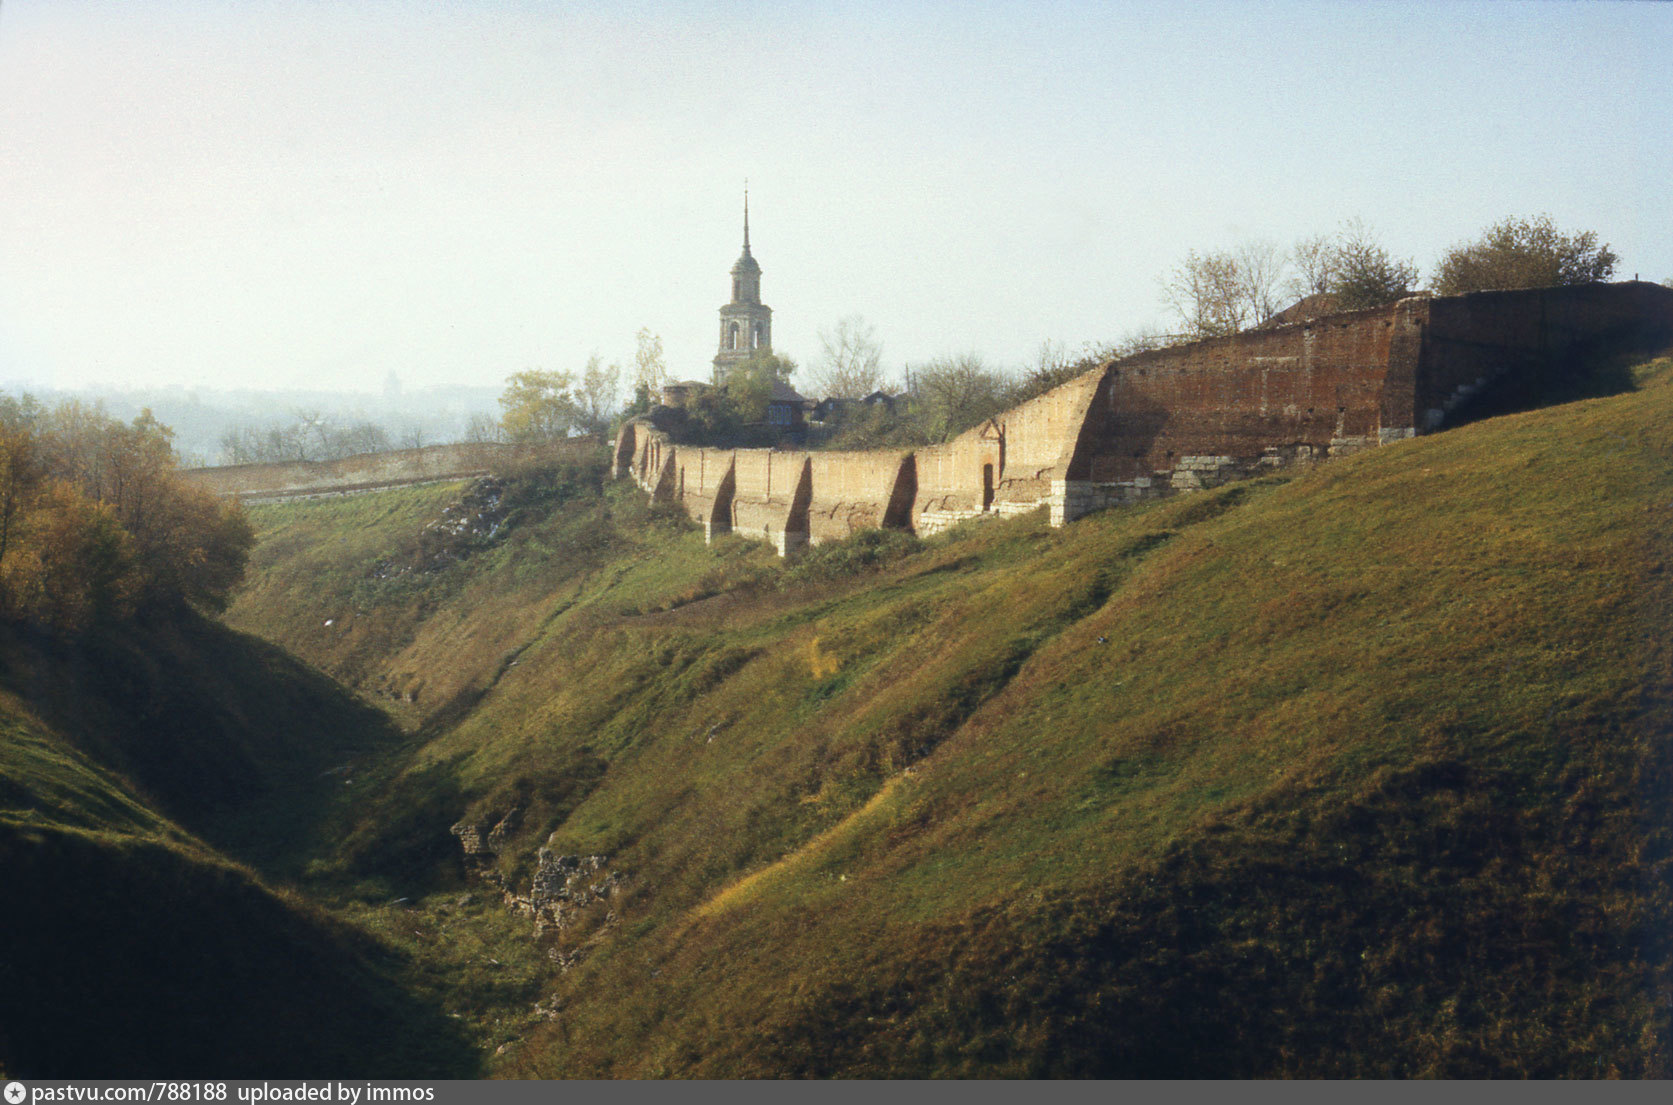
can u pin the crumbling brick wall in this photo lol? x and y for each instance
(1039, 438)
(858, 490)
(1168, 420)
(1318, 385)
(961, 475)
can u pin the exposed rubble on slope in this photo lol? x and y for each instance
(464, 527)
(561, 890)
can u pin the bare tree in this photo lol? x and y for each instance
(1206, 291)
(850, 360)
(238, 445)
(355, 439)
(1052, 367)
(245, 444)
(596, 395)
(1260, 270)
(650, 371)
(951, 394)
(313, 428)
(285, 443)
(1313, 264)
(1188, 293)
(483, 428)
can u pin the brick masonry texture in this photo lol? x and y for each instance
(1162, 422)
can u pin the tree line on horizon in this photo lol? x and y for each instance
(1220, 292)
(311, 435)
(1210, 294)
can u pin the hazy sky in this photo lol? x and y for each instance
(299, 193)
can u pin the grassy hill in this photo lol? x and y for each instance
(1357, 771)
(135, 947)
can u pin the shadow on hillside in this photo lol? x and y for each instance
(1428, 929)
(238, 740)
(129, 959)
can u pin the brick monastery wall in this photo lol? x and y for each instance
(1200, 414)
(860, 490)
(770, 493)
(1161, 422)
(1472, 340)
(960, 478)
(1006, 465)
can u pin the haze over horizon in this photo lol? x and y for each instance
(310, 195)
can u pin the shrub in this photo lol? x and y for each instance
(1524, 253)
(865, 551)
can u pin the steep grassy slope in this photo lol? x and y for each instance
(330, 581)
(1359, 771)
(128, 945)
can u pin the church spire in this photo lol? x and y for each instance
(746, 324)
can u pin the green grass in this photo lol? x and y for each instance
(132, 762)
(45, 782)
(127, 955)
(1355, 771)
(1368, 778)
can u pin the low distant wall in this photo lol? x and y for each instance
(1170, 420)
(368, 471)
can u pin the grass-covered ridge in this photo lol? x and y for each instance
(1361, 770)
(134, 762)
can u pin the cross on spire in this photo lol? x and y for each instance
(746, 214)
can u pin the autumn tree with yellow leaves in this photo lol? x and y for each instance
(96, 523)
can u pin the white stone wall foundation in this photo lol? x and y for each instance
(938, 521)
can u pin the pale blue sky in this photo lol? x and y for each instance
(316, 193)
